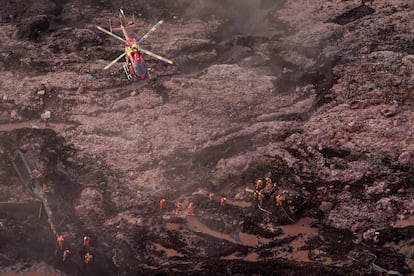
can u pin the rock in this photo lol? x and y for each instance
(326, 206)
(347, 188)
(41, 92)
(133, 93)
(46, 115)
(377, 188)
(358, 105)
(405, 158)
(389, 111)
(81, 89)
(13, 115)
(352, 126)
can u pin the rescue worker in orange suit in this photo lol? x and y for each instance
(163, 203)
(88, 258)
(178, 207)
(259, 185)
(280, 199)
(59, 241)
(66, 255)
(269, 184)
(59, 249)
(87, 261)
(86, 240)
(85, 248)
(190, 209)
(223, 201)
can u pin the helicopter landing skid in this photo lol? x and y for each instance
(126, 70)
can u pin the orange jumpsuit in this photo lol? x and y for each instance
(86, 240)
(88, 258)
(223, 201)
(178, 207)
(163, 203)
(190, 209)
(66, 255)
(59, 241)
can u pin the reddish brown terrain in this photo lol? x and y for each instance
(317, 95)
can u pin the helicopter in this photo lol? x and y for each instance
(134, 65)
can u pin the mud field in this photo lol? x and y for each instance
(317, 95)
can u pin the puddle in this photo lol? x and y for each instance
(238, 238)
(195, 225)
(58, 127)
(241, 204)
(302, 226)
(169, 251)
(402, 223)
(174, 226)
(252, 240)
(251, 257)
(297, 254)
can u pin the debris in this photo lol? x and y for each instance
(212, 196)
(389, 111)
(36, 173)
(264, 210)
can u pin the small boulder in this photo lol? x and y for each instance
(326, 206)
(46, 115)
(389, 111)
(405, 158)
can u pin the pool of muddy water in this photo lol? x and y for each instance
(301, 231)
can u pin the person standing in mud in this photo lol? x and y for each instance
(85, 248)
(86, 255)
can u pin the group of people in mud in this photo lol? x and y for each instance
(190, 206)
(64, 255)
(265, 190)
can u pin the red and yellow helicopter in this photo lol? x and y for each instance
(134, 65)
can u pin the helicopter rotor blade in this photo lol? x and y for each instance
(150, 32)
(156, 56)
(111, 33)
(115, 60)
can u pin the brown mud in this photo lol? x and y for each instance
(317, 96)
